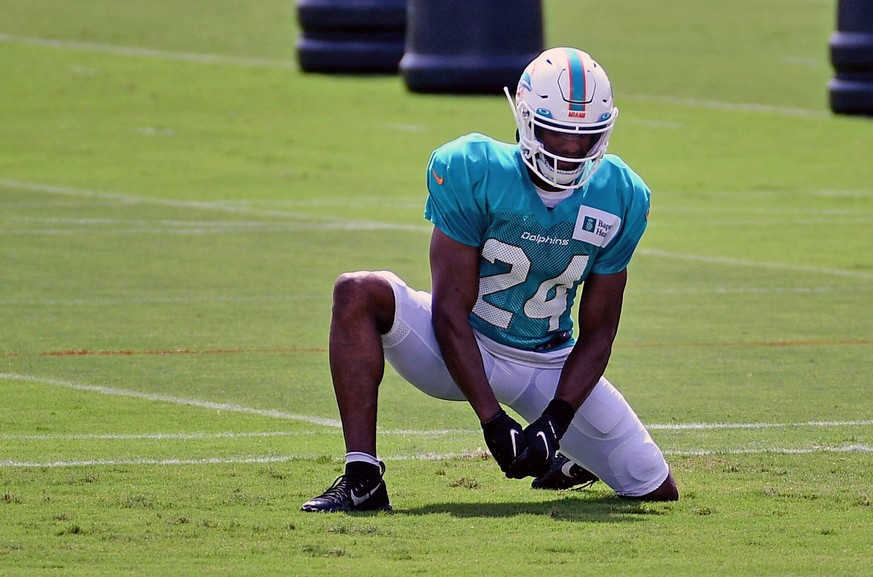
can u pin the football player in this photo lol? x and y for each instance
(518, 230)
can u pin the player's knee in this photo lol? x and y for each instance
(363, 294)
(356, 289)
(666, 491)
(638, 464)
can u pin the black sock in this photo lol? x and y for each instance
(364, 472)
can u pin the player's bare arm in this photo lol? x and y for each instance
(455, 277)
(599, 314)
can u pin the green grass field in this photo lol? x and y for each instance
(176, 199)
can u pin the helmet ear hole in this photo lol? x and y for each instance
(517, 136)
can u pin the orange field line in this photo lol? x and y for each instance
(810, 343)
(160, 352)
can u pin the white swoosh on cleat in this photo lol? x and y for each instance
(357, 500)
(542, 435)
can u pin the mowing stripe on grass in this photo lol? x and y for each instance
(320, 350)
(221, 435)
(728, 106)
(229, 460)
(327, 222)
(307, 220)
(857, 448)
(160, 228)
(707, 259)
(397, 432)
(115, 50)
(201, 58)
(157, 231)
(325, 296)
(276, 414)
(134, 300)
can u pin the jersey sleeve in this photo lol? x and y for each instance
(452, 202)
(616, 256)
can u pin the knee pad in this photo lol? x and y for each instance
(608, 439)
(638, 465)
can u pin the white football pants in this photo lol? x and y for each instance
(606, 436)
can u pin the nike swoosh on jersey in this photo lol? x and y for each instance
(357, 500)
(437, 177)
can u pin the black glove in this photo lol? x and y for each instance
(504, 438)
(543, 438)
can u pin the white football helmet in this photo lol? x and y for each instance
(566, 91)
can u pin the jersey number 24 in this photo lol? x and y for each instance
(541, 305)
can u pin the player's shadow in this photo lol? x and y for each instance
(606, 509)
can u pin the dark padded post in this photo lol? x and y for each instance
(851, 46)
(470, 46)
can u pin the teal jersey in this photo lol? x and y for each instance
(533, 258)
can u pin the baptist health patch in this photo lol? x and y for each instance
(595, 226)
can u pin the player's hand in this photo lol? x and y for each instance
(505, 439)
(543, 438)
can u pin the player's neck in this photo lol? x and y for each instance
(553, 198)
(543, 186)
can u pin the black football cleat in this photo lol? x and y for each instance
(564, 474)
(348, 494)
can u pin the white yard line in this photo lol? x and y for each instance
(856, 448)
(725, 426)
(229, 407)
